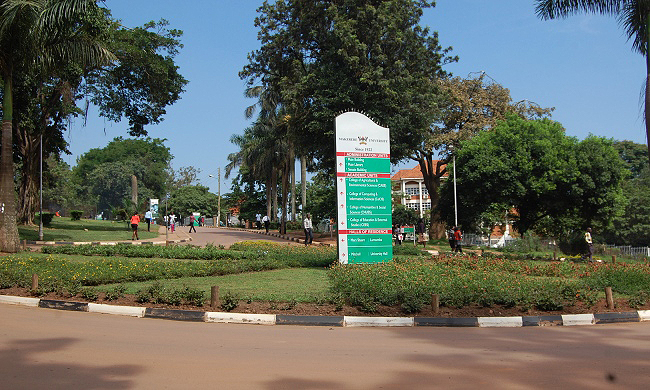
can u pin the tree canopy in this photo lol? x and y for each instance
(554, 183)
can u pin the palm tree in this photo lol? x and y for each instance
(36, 33)
(633, 15)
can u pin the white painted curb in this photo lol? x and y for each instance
(119, 310)
(578, 319)
(644, 315)
(240, 318)
(500, 322)
(25, 301)
(378, 321)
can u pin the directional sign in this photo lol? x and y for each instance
(363, 190)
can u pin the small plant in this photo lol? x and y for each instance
(639, 300)
(89, 294)
(290, 305)
(194, 296)
(142, 296)
(115, 293)
(229, 301)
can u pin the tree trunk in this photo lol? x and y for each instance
(269, 204)
(292, 170)
(647, 86)
(432, 175)
(303, 183)
(28, 187)
(274, 195)
(285, 196)
(9, 241)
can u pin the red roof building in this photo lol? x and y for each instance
(409, 189)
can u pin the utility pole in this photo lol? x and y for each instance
(219, 201)
(40, 224)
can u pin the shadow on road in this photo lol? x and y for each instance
(28, 364)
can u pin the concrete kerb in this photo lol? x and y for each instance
(337, 321)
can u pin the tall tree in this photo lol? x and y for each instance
(633, 15)
(555, 183)
(473, 104)
(43, 34)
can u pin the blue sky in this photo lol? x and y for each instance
(583, 66)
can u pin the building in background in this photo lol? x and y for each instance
(409, 189)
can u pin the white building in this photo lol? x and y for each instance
(409, 189)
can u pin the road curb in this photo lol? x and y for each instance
(332, 321)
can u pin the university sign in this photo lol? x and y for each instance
(363, 190)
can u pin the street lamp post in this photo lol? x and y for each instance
(40, 224)
(219, 201)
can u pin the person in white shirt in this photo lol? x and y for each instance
(267, 222)
(148, 216)
(309, 237)
(590, 245)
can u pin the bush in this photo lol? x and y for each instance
(47, 218)
(76, 214)
(229, 301)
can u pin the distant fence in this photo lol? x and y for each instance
(627, 250)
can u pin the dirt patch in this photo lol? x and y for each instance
(314, 309)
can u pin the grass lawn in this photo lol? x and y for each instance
(64, 229)
(284, 285)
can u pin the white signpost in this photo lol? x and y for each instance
(363, 190)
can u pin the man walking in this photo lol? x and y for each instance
(192, 223)
(147, 216)
(309, 237)
(458, 237)
(267, 222)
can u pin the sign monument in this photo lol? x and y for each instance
(363, 190)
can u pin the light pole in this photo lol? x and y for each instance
(40, 224)
(219, 201)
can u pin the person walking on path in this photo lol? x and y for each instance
(267, 223)
(147, 217)
(258, 221)
(192, 223)
(590, 245)
(458, 237)
(309, 237)
(172, 222)
(451, 238)
(421, 230)
(135, 220)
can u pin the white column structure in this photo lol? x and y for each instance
(420, 196)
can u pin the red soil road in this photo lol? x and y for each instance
(51, 349)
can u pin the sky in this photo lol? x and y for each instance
(583, 66)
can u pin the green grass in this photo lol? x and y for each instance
(294, 284)
(64, 229)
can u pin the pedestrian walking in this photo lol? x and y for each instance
(590, 246)
(192, 223)
(258, 221)
(266, 222)
(147, 217)
(458, 237)
(451, 238)
(135, 220)
(172, 221)
(309, 237)
(421, 231)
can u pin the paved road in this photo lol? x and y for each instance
(227, 237)
(50, 349)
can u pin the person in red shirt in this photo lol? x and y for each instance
(135, 220)
(458, 236)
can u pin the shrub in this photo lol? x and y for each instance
(229, 301)
(116, 292)
(47, 218)
(76, 214)
(89, 293)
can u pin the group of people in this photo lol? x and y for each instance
(420, 231)
(455, 237)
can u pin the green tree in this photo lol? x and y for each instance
(403, 215)
(107, 172)
(635, 156)
(633, 15)
(555, 183)
(322, 58)
(41, 34)
(193, 199)
(321, 192)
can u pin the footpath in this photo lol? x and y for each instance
(163, 238)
